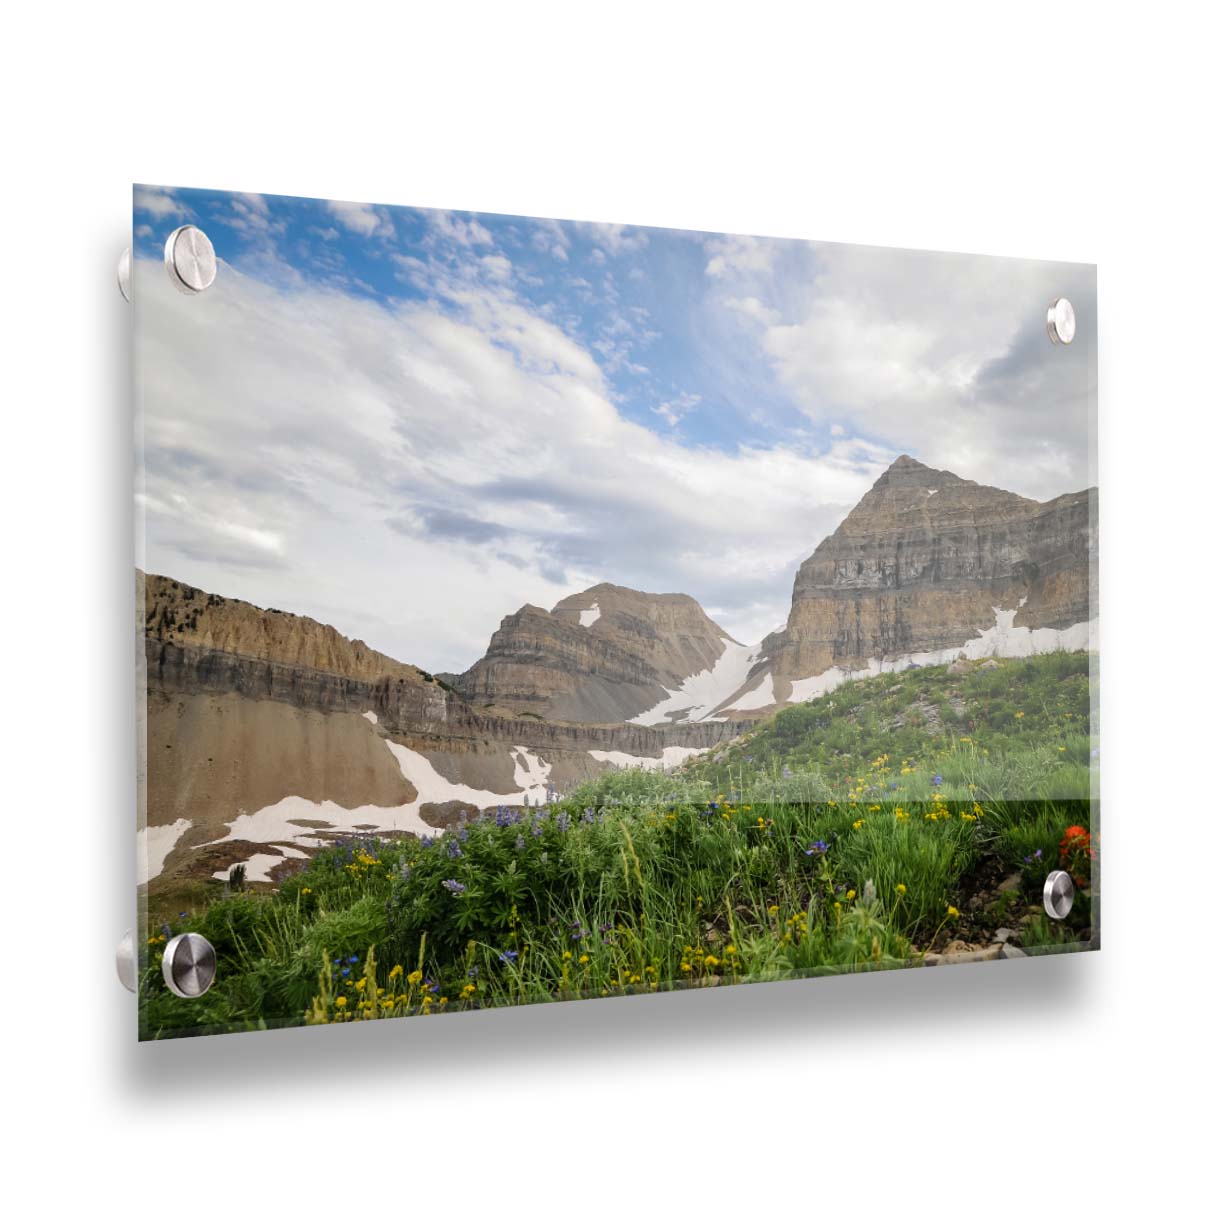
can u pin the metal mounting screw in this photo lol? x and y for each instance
(1059, 895)
(125, 961)
(190, 259)
(124, 274)
(1060, 321)
(189, 965)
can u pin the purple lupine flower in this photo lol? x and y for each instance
(563, 821)
(454, 887)
(426, 842)
(454, 850)
(938, 779)
(508, 957)
(464, 834)
(520, 843)
(504, 817)
(817, 847)
(588, 815)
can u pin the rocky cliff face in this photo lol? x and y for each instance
(266, 733)
(921, 564)
(603, 655)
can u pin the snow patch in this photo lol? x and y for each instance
(671, 757)
(259, 866)
(282, 821)
(153, 846)
(700, 695)
(590, 616)
(759, 697)
(932, 492)
(1004, 640)
(371, 717)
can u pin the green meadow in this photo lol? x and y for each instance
(898, 817)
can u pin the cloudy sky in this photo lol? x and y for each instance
(409, 423)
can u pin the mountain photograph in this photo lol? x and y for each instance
(534, 610)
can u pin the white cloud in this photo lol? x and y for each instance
(615, 239)
(940, 355)
(362, 219)
(412, 475)
(732, 254)
(550, 236)
(158, 201)
(468, 233)
(674, 410)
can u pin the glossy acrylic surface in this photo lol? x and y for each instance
(536, 610)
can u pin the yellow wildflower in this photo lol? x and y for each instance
(584, 959)
(850, 894)
(901, 889)
(953, 912)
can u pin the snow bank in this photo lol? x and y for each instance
(759, 697)
(259, 866)
(282, 821)
(700, 695)
(153, 846)
(1004, 640)
(671, 757)
(590, 616)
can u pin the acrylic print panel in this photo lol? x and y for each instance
(536, 610)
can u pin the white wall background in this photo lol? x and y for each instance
(1086, 1087)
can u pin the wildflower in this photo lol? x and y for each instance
(953, 912)
(508, 957)
(454, 850)
(686, 967)
(901, 889)
(305, 891)
(583, 959)
(773, 909)
(415, 976)
(468, 991)
(711, 962)
(851, 894)
(817, 847)
(858, 824)
(567, 956)
(938, 779)
(396, 971)
(341, 1000)
(1019, 713)
(730, 949)
(454, 887)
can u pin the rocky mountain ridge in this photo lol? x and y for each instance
(925, 563)
(602, 655)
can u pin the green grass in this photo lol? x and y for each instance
(820, 843)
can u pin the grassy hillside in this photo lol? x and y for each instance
(900, 815)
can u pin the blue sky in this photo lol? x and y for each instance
(408, 423)
(633, 296)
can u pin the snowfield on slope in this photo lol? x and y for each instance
(700, 695)
(671, 757)
(1003, 640)
(305, 823)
